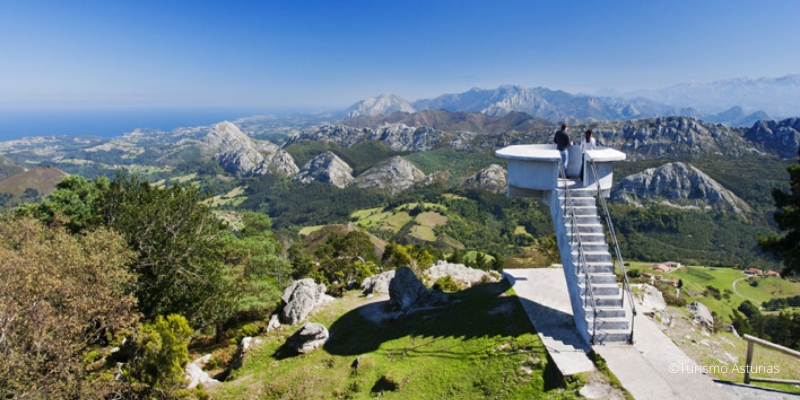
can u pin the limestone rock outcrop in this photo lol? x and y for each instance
(394, 176)
(680, 185)
(463, 275)
(195, 375)
(308, 338)
(239, 155)
(328, 168)
(781, 137)
(406, 291)
(385, 103)
(492, 178)
(378, 283)
(701, 315)
(299, 299)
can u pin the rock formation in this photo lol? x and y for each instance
(463, 275)
(492, 178)
(378, 283)
(406, 291)
(299, 299)
(239, 155)
(394, 176)
(779, 137)
(385, 103)
(308, 338)
(677, 184)
(701, 315)
(326, 167)
(195, 375)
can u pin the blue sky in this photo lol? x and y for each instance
(333, 53)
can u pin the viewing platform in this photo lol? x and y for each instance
(533, 169)
(602, 310)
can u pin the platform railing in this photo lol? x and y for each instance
(588, 295)
(626, 289)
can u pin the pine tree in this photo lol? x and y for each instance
(787, 216)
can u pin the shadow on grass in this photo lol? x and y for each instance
(480, 311)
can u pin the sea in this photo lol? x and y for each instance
(18, 123)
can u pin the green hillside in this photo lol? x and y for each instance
(481, 345)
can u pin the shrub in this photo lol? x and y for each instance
(634, 273)
(247, 331)
(446, 284)
(161, 356)
(336, 290)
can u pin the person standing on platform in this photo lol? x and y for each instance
(588, 143)
(563, 141)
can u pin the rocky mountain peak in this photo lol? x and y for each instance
(385, 103)
(492, 178)
(394, 176)
(679, 185)
(781, 137)
(326, 167)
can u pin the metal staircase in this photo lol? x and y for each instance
(602, 314)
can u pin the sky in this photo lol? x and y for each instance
(330, 54)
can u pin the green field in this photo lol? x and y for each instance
(391, 222)
(695, 280)
(482, 346)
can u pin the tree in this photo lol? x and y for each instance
(787, 216)
(62, 300)
(179, 264)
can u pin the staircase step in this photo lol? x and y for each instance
(598, 278)
(609, 336)
(583, 210)
(606, 312)
(609, 323)
(583, 219)
(591, 247)
(585, 228)
(606, 301)
(602, 289)
(592, 256)
(595, 268)
(576, 201)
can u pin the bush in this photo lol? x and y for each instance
(446, 284)
(337, 290)
(668, 292)
(162, 354)
(634, 273)
(248, 330)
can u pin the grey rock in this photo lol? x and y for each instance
(299, 299)
(463, 275)
(249, 343)
(780, 137)
(273, 323)
(677, 184)
(308, 338)
(326, 167)
(377, 283)
(385, 103)
(701, 315)
(406, 291)
(280, 163)
(195, 375)
(492, 178)
(651, 299)
(393, 176)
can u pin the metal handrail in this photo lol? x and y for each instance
(625, 285)
(581, 256)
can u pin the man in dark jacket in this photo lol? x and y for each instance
(563, 141)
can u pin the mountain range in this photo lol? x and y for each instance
(737, 102)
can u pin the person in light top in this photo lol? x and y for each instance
(588, 143)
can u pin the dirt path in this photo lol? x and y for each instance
(737, 292)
